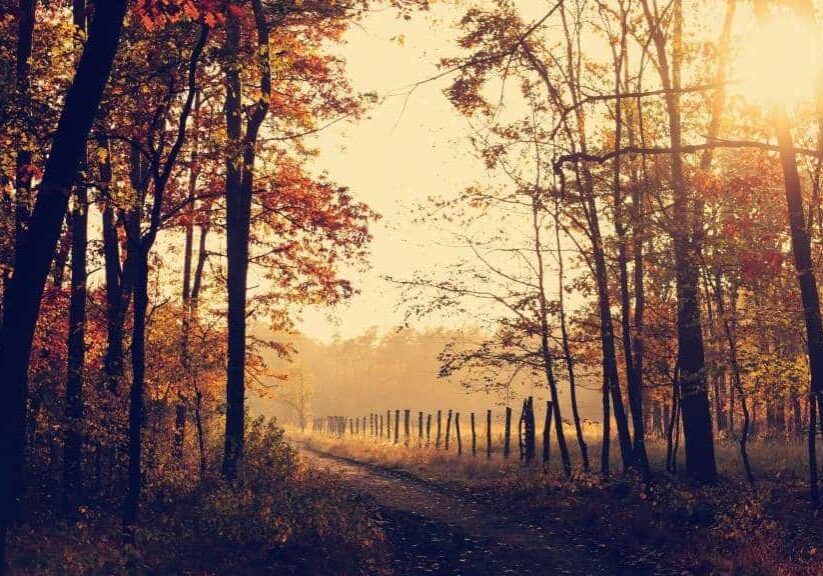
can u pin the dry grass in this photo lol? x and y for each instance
(770, 460)
(731, 528)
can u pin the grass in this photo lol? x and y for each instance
(770, 459)
(279, 517)
(730, 528)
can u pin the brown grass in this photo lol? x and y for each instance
(731, 528)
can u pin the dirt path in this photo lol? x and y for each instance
(433, 530)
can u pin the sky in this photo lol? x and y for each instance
(414, 146)
(407, 149)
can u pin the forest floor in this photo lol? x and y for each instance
(433, 529)
(437, 527)
(468, 518)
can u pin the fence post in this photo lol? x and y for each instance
(488, 434)
(457, 430)
(437, 441)
(396, 426)
(388, 424)
(428, 429)
(448, 429)
(546, 433)
(474, 438)
(530, 429)
(419, 429)
(357, 426)
(507, 433)
(406, 425)
(520, 421)
(381, 426)
(351, 426)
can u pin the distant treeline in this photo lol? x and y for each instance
(399, 368)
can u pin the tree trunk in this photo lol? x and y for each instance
(24, 169)
(198, 422)
(238, 207)
(117, 281)
(185, 337)
(457, 433)
(671, 424)
(138, 360)
(72, 455)
(25, 288)
(567, 354)
(488, 434)
(239, 188)
(428, 428)
(801, 248)
(694, 397)
(61, 255)
(611, 384)
(545, 350)
(474, 437)
(633, 384)
(737, 382)
(530, 430)
(507, 433)
(546, 434)
(76, 346)
(448, 429)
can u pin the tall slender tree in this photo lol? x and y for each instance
(36, 249)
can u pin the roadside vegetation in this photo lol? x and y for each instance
(283, 519)
(729, 528)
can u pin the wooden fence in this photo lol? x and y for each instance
(386, 428)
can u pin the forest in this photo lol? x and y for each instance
(610, 274)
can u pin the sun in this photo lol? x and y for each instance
(780, 61)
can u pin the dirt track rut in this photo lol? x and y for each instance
(433, 530)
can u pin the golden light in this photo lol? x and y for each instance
(780, 61)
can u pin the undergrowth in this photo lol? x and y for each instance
(666, 526)
(277, 518)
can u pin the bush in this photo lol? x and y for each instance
(278, 517)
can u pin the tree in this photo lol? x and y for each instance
(694, 399)
(37, 245)
(72, 463)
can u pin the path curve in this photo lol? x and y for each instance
(432, 530)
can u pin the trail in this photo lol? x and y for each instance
(432, 529)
